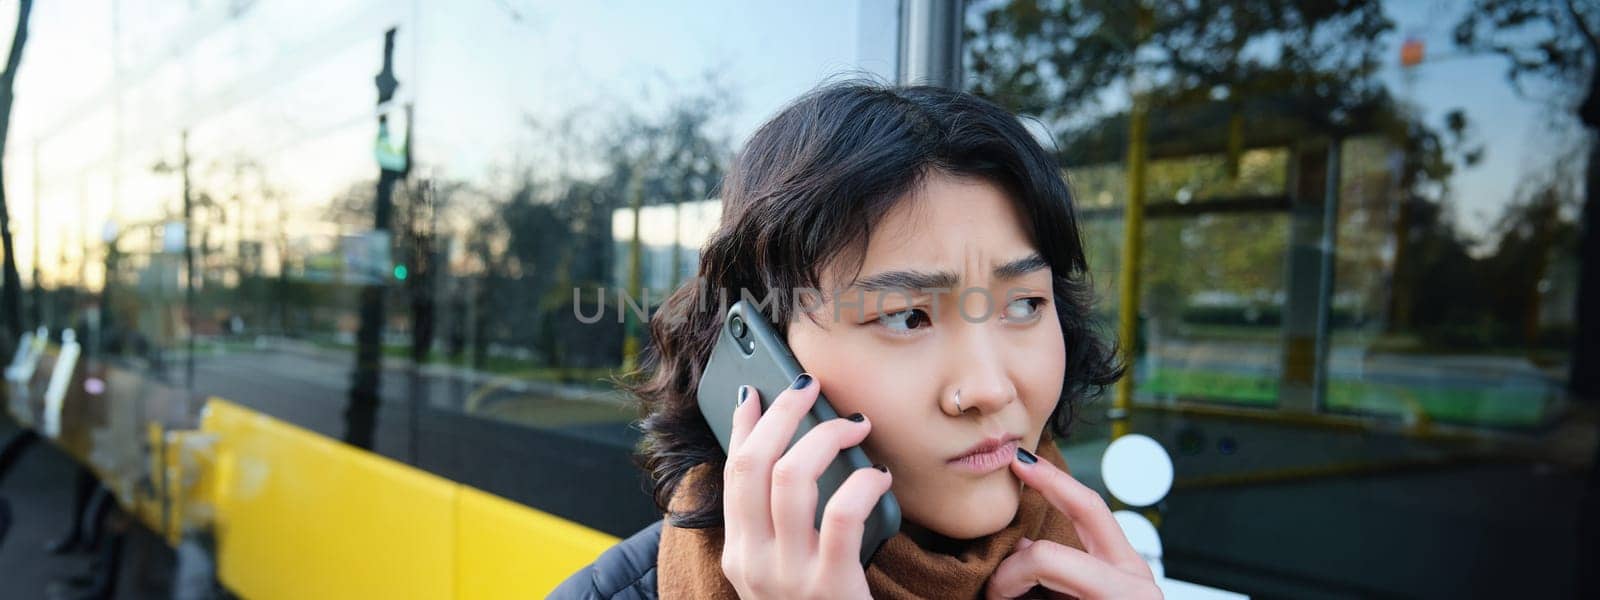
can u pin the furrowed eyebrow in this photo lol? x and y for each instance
(1019, 267)
(925, 280)
(907, 280)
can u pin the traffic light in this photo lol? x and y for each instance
(385, 79)
(400, 272)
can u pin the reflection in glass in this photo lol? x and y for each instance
(1356, 279)
(541, 134)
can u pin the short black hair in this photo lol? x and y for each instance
(806, 190)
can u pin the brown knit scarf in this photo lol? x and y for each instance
(689, 564)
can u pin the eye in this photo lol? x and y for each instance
(1023, 309)
(905, 320)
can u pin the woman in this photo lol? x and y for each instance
(953, 327)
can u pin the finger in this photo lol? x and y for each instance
(736, 512)
(794, 481)
(1057, 567)
(748, 475)
(747, 409)
(1090, 516)
(775, 429)
(844, 519)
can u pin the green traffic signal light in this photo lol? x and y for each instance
(400, 272)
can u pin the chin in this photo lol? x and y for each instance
(984, 508)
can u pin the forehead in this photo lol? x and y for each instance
(947, 223)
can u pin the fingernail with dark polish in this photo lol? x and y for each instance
(881, 468)
(802, 381)
(1026, 457)
(744, 394)
(858, 417)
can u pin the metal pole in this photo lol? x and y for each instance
(1132, 253)
(630, 341)
(188, 261)
(361, 414)
(930, 42)
(38, 292)
(1308, 281)
(1329, 243)
(1132, 236)
(83, 238)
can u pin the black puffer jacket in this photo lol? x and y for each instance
(627, 571)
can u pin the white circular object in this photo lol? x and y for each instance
(1140, 532)
(1137, 470)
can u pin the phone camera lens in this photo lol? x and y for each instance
(736, 325)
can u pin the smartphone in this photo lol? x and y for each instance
(749, 352)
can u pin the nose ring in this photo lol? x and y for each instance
(959, 410)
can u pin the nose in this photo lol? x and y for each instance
(978, 365)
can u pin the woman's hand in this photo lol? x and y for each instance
(1108, 569)
(771, 547)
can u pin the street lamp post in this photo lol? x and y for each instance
(361, 414)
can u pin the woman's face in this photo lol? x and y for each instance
(899, 357)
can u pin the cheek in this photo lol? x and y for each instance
(868, 387)
(859, 375)
(1042, 371)
(856, 375)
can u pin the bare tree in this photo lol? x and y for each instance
(1557, 41)
(10, 294)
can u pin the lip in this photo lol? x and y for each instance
(988, 455)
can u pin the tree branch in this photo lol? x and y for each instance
(1583, 27)
(18, 40)
(10, 76)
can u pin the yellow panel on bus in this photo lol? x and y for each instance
(301, 516)
(508, 550)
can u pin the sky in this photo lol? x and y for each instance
(292, 81)
(289, 83)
